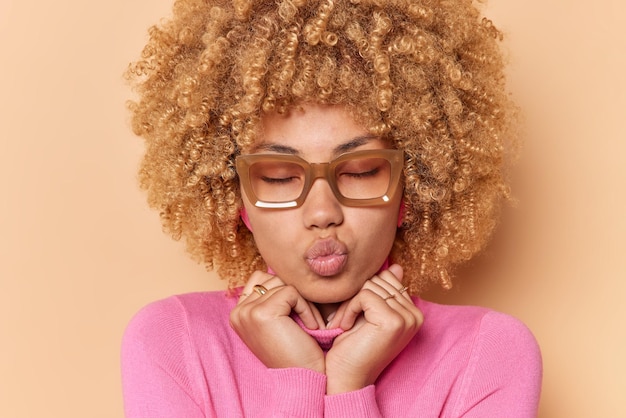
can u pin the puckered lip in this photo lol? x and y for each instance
(327, 257)
(326, 247)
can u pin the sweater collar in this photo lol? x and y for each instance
(324, 337)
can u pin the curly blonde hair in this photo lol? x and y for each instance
(428, 74)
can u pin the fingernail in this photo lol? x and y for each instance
(329, 320)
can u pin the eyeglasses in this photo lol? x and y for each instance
(360, 178)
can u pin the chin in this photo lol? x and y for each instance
(329, 294)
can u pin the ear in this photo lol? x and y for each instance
(401, 213)
(244, 217)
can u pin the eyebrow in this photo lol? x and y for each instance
(354, 143)
(278, 148)
(339, 149)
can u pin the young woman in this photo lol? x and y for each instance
(330, 159)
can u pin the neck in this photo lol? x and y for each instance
(327, 309)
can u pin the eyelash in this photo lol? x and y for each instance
(369, 173)
(273, 180)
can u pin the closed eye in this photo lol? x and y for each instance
(363, 174)
(278, 180)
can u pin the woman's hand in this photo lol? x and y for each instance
(379, 322)
(264, 325)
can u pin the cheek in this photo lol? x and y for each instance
(376, 229)
(271, 230)
(385, 226)
(260, 221)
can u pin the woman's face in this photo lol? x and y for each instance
(323, 248)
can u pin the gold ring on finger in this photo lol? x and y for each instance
(393, 295)
(402, 290)
(260, 289)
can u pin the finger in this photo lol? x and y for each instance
(335, 317)
(390, 289)
(400, 301)
(389, 284)
(364, 301)
(393, 276)
(410, 313)
(375, 287)
(289, 297)
(382, 286)
(257, 278)
(284, 302)
(397, 271)
(318, 316)
(373, 290)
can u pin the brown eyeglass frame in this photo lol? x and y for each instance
(313, 171)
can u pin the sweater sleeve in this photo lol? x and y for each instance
(154, 361)
(356, 404)
(504, 372)
(296, 392)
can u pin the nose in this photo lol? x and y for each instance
(321, 209)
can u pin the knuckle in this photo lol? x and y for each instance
(416, 321)
(258, 314)
(288, 290)
(419, 317)
(412, 325)
(369, 292)
(234, 319)
(395, 322)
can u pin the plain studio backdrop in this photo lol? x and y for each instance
(80, 252)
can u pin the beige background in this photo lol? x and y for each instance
(80, 252)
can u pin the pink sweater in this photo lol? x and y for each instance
(181, 359)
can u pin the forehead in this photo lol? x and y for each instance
(314, 132)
